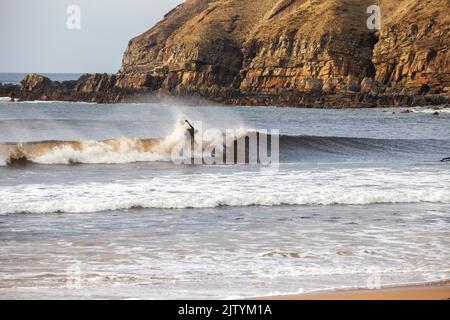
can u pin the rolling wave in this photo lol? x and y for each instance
(363, 186)
(292, 149)
(112, 151)
(71, 152)
(332, 148)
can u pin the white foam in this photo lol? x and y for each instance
(124, 151)
(431, 110)
(340, 186)
(3, 158)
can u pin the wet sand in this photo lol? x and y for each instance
(428, 291)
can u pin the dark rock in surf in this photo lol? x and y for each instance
(8, 90)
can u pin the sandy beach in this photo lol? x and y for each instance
(427, 291)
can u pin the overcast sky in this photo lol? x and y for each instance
(34, 36)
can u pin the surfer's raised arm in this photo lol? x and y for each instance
(190, 125)
(191, 130)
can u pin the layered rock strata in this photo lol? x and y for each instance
(312, 53)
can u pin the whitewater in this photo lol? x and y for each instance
(307, 187)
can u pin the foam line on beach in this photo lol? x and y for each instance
(306, 188)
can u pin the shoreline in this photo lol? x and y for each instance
(103, 89)
(405, 108)
(437, 290)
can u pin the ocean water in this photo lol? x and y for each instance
(95, 209)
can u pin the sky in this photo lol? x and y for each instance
(43, 36)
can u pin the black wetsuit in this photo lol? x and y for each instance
(191, 129)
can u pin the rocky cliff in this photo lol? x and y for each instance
(229, 49)
(284, 52)
(412, 54)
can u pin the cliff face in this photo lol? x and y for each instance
(292, 49)
(234, 47)
(309, 47)
(147, 56)
(413, 55)
(295, 52)
(200, 50)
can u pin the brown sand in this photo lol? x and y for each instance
(429, 291)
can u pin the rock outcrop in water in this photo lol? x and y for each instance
(8, 90)
(89, 87)
(280, 52)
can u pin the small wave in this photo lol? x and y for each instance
(430, 110)
(306, 188)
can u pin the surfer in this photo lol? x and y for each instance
(191, 130)
(446, 159)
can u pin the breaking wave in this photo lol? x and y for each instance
(292, 149)
(113, 151)
(209, 190)
(431, 110)
(70, 152)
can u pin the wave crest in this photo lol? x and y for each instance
(307, 188)
(292, 148)
(69, 152)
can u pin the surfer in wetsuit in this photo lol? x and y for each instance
(191, 130)
(446, 159)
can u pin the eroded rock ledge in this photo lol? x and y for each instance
(292, 53)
